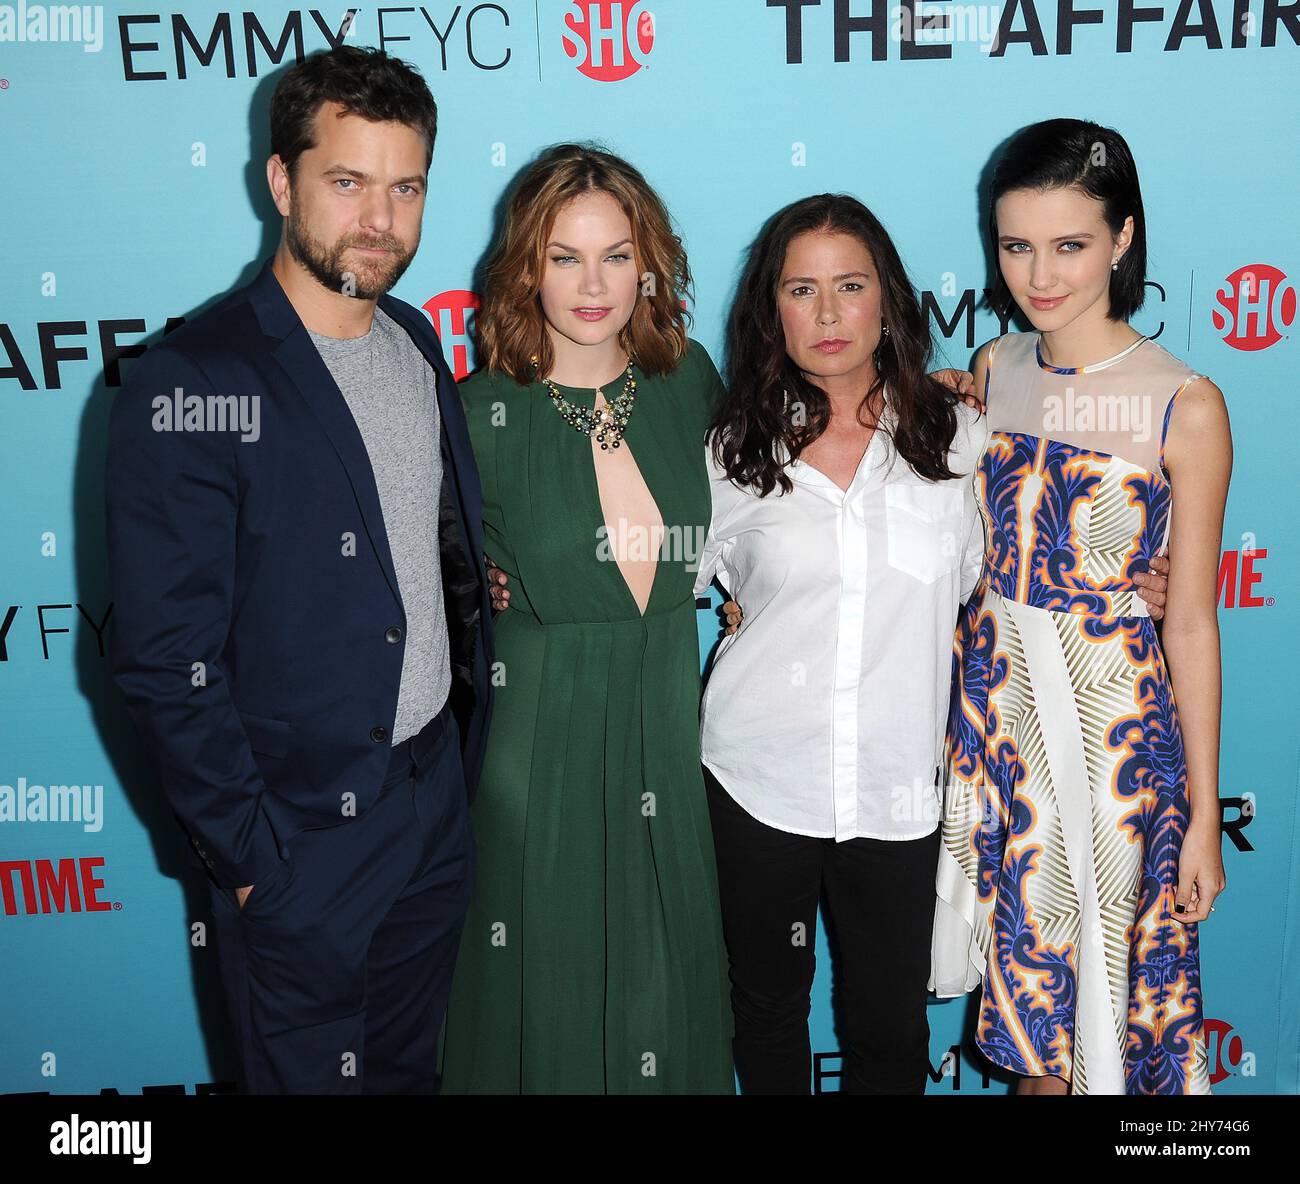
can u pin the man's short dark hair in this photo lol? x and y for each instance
(366, 82)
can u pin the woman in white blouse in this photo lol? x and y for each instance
(845, 523)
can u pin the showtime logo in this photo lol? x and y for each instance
(1226, 1054)
(1254, 307)
(1238, 578)
(609, 40)
(52, 886)
(449, 312)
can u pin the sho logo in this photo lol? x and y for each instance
(79, 1136)
(449, 312)
(1226, 1054)
(1254, 307)
(609, 40)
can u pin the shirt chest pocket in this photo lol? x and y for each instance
(923, 523)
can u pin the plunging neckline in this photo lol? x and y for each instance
(587, 397)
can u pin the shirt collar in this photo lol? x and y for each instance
(876, 459)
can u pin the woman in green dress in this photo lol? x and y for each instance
(592, 959)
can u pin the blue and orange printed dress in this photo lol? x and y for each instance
(1065, 801)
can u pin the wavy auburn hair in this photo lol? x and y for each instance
(510, 324)
(753, 426)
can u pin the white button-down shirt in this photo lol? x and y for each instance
(824, 714)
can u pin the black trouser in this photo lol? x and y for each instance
(880, 895)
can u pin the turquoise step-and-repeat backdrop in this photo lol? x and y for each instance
(133, 141)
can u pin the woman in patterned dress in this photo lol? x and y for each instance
(1081, 824)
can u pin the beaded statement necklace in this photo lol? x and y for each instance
(608, 423)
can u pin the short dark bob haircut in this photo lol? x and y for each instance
(1059, 153)
(366, 82)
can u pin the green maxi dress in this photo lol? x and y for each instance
(592, 959)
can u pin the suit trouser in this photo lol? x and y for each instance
(338, 967)
(880, 899)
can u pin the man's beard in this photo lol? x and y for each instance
(368, 278)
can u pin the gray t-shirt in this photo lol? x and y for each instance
(392, 392)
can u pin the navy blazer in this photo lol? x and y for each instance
(257, 630)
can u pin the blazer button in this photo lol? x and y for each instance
(393, 635)
(379, 735)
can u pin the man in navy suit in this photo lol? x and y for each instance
(301, 624)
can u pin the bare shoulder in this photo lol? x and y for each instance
(1200, 438)
(1201, 405)
(980, 367)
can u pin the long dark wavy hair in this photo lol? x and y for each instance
(753, 425)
